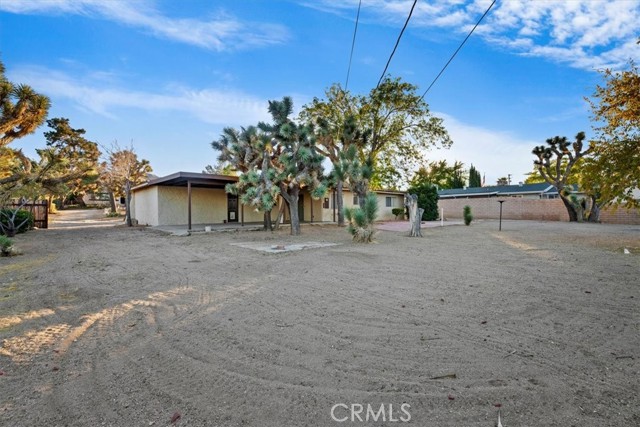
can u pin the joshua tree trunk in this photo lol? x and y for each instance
(340, 203)
(112, 202)
(594, 211)
(415, 215)
(281, 206)
(127, 199)
(291, 196)
(572, 209)
(267, 221)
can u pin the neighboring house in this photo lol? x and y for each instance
(527, 191)
(97, 199)
(186, 198)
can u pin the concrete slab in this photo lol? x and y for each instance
(275, 248)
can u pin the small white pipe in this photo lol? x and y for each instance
(441, 217)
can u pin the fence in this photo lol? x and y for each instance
(39, 210)
(530, 209)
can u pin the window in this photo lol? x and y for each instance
(389, 201)
(325, 203)
(355, 200)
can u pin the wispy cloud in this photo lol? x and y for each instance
(91, 93)
(487, 150)
(220, 33)
(586, 34)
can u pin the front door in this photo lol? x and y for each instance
(232, 208)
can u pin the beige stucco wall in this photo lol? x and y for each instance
(384, 212)
(208, 206)
(158, 205)
(144, 206)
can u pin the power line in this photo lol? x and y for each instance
(353, 43)
(458, 49)
(397, 42)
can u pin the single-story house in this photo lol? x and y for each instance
(187, 198)
(528, 191)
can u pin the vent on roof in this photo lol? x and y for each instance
(520, 184)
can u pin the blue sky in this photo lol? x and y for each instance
(168, 75)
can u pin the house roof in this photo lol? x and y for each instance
(499, 190)
(182, 179)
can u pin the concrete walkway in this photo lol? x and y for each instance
(81, 218)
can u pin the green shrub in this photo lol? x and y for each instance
(398, 212)
(6, 246)
(13, 221)
(427, 199)
(466, 214)
(361, 219)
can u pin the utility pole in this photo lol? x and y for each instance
(509, 179)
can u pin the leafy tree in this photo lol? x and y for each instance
(392, 129)
(427, 199)
(475, 179)
(555, 161)
(337, 129)
(74, 160)
(361, 219)
(614, 171)
(440, 174)
(220, 168)
(502, 181)
(121, 173)
(402, 128)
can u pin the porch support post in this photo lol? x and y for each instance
(189, 204)
(311, 200)
(241, 213)
(334, 205)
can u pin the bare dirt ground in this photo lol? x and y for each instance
(109, 326)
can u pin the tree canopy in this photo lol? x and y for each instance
(22, 109)
(475, 180)
(275, 159)
(440, 174)
(123, 171)
(614, 169)
(394, 125)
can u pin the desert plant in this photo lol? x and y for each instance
(6, 246)
(398, 212)
(361, 219)
(466, 214)
(13, 221)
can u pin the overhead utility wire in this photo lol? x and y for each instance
(353, 43)
(397, 42)
(458, 49)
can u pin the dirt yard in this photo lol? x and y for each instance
(108, 326)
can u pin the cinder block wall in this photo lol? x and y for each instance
(512, 208)
(620, 216)
(531, 209)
